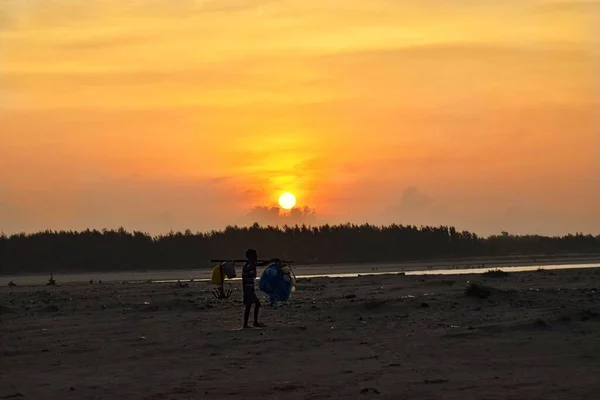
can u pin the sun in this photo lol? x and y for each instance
(287, 201)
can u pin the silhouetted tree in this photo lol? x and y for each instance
(114, 250)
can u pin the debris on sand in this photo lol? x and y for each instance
(589, 314)
(540, 323)
(495, 273)
(475, 289)
(286, 386)
(50, 308)
(369, 390)
(565, 318)
(435, 381)
(373, 303)
(14, 396)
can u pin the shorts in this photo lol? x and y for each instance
(250, 297)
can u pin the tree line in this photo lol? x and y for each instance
(120, 250)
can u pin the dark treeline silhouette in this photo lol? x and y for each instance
(119, 250)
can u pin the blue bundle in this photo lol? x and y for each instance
(272, 283)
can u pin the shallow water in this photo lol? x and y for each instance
(319, 272)
(458, 271)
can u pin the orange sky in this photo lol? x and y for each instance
(175, 114)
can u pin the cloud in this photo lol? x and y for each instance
(577, 6)
(448, 50)
(274, 216)
(413, 200)
(216, 6)
(107, 41)
(416, 208)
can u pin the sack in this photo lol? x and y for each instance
(273, 283)
(216, 275)
(229, 270)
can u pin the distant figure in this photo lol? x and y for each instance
(11, 284)
(51, 281)
(250, 297)
(100, 281)
(91, 281)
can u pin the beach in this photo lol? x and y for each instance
(534, 335)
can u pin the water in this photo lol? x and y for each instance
(301, 273)
(455, 271)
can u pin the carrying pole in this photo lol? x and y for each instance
(243, 261)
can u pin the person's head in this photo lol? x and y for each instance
(251, 255)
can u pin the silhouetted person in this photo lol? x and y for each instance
(100, 281)
(51, 281)
(250, 297)
(91, 281)
(11, 284)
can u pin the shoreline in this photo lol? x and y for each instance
(312, 271)
(578, 258)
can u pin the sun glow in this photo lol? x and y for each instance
(287, 201)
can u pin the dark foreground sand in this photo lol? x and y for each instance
(537, 336)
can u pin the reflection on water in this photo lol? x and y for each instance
(203, 275)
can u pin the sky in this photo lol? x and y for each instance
(160, 115)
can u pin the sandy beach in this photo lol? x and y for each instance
(536, 336)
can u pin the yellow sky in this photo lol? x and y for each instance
(169, 114)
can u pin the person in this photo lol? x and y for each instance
(248, 278)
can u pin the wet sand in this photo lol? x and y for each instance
(537, 336)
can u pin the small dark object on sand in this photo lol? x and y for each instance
(14, 396)
(51, 281)
(540, 323)
(474, 289)
(588, 314)
(11, 284)
(433, 381)
(496, 273)
(369, 390)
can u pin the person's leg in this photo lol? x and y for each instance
(247, 314)
(256, 308)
